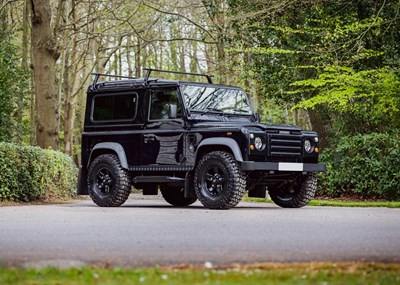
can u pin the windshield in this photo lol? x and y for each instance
(216, 99)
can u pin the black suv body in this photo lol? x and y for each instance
(191, 141)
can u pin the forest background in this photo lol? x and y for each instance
(330, 66)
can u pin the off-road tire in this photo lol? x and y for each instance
(296, 195)
(228, 191)
(108, 183)
(175, 196)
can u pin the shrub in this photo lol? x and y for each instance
(29, 173)
(366, 166)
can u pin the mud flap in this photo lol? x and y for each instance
(189, 187)
(82, 183)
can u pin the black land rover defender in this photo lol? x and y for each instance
(192, 141)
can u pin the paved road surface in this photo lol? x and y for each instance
(148, 231)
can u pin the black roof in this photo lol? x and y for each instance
(128, 84)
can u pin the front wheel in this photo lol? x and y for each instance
(297, 194)
(219, 182)
(108, 183)
(175, 196)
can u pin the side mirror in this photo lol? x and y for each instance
(257, 116)
(172, 110)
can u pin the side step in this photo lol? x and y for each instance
(157, 167)
(158, 179)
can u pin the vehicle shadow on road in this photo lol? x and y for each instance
(189, 208)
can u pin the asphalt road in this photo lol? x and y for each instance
(146, 232)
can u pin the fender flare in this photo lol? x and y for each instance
(116, 147)
(229, 142)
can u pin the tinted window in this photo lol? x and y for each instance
(159, 104)
(114, 108)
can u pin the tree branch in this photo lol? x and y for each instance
(180, 16)
(5, 3)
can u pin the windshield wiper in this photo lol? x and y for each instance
(235, 111)
(240, 110)
(207, 110)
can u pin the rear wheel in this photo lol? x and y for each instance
(219, 182)
(108, 183)
(297, 194)
(176, 196)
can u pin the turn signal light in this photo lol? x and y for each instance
(252, 147)
(316, 149)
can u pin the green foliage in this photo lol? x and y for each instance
(371, 95)
(366, 166)
(338, 58)
(13, 87)
(29, 173)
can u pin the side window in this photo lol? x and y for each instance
(114, 108)
(159, 104)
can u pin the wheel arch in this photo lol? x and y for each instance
(109, 148)
(224, 144)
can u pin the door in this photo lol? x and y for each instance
(163, 136)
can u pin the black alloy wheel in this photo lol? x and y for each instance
(104, 181)
(108, 183)
(219, 182)
(214, 178)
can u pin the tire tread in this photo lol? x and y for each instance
(237, 180)
(123, 187)
(300, 198)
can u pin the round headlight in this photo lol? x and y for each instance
(258, 143)
(308, 146)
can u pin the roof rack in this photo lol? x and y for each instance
(149, 70)
(97, 76)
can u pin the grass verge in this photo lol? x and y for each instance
(310, 273)
(41, 201)
(338, 203)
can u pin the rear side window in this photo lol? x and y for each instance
(114, 108)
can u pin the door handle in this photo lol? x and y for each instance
(149, 138)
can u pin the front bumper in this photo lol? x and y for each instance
(283, 166)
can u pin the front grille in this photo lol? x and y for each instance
(284, 145)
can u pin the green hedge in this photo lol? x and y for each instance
(30, 173)
(365, 166)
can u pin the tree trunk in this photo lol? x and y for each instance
(182, 62)
(24, 65)
(319, 124)
(69, 114)
(138, 65)
(221, 60)
(194, 58)
(173, 48)
(44, 57)
(128, 55)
